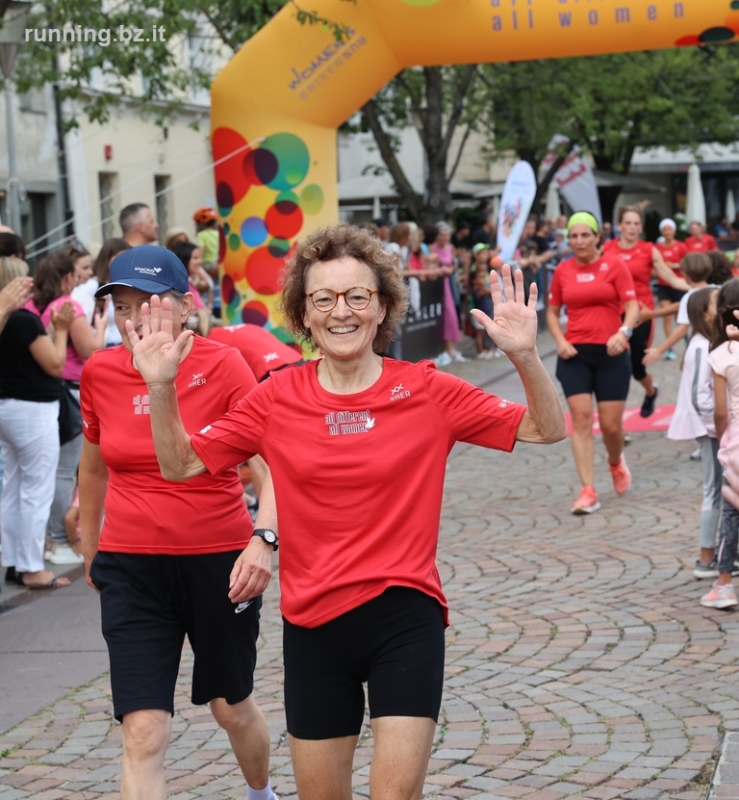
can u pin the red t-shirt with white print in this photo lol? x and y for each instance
(143, 512)
(358, 478)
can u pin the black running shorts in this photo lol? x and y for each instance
(149, 603)
(394, 643)
(593, 371)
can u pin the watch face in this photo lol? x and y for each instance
(270, 537)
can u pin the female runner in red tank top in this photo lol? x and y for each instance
(643, 259)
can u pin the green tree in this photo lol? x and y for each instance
(611, 105)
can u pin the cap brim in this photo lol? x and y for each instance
(150, 287)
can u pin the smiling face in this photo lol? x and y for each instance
(343, 334)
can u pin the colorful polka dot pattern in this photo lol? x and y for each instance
(263, 199)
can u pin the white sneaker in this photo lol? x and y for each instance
(63, 554)
(443, 360)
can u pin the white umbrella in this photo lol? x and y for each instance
(730, 206)
(376, 209)
(695, 204)
(553, 209)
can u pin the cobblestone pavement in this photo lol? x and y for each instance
(579, 661)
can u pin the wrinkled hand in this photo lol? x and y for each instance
(616, 344)
(156, 354)
(16, 294)
(651, 356)
(63, 317)
(252, 571)
(566, 350)
(514, 323)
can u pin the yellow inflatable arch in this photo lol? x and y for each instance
(278, 102)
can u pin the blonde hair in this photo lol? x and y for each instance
(11, 267)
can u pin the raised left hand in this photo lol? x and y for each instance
(252, 571)
(514, 323)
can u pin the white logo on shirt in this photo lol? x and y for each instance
(271, 357)
(197, 379)
(398, 392)
(503, 404)
(585, 277)
(141, 404)
(206, 429)
(604, 267)
(348, 422)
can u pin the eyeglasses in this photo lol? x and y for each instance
(325, 299)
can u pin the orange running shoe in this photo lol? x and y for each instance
(621, 476)
(587, 502)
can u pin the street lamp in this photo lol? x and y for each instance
(11, 36)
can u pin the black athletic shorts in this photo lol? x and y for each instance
(149, 603)
(394, 643)
(640, 341)
(592, 370)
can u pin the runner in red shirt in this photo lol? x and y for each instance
(168, 552)
(699, 241)
(593, 352)
(672, 252)
(358, 446)
(643, 259)
(262, 350)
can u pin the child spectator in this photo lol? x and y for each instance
(724, 361)
(693, 419)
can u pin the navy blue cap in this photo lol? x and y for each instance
(149, 269)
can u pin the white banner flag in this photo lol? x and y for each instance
(518, 195)
(574, 179)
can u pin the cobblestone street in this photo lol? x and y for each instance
(579, 661)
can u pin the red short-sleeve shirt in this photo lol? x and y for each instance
(639, 261)
(594, 295)
(143, 512)
(672, 255)
(358, 478)
(702, 245)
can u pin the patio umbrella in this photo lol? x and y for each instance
(553, 209)
(730, 206)
(695, 204)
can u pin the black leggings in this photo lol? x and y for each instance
(638, 345)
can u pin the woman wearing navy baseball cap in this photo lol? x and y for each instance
(164, 555)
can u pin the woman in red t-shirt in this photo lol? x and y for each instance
(361, 595)
(699, 241)
(593, 352)
(672, 250)
(643, 260)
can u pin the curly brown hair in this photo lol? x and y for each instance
(343, 241)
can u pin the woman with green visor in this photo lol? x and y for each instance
(593, 352)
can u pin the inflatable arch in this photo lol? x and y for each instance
(276, 105)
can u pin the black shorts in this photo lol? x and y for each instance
(149, 603)
(592, 370)
(640, 341)
(669, 293)
(394, 642)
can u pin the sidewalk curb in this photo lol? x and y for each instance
(724, 781)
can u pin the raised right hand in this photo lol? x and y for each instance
(156, 354)
(16, 293)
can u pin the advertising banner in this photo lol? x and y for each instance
(574, 179)
(515, 204)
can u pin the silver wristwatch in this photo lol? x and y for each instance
(625, 329)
